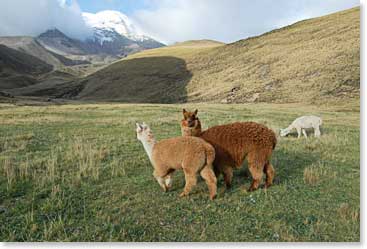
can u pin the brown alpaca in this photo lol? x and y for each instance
(191, 154)
(235, 142)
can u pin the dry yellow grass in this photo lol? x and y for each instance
(314, 174)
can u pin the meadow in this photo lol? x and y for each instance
(76, 172)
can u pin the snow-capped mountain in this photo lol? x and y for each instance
(114, 21)
(107, 23)
(114, 34)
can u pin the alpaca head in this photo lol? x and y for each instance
(284, 132)
(143, 132)
(190, 117)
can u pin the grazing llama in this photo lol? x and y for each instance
(235, 142)
(191, 154)
(302, 123)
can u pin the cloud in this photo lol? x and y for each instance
(228, 21)
(166, 20)
(32, 17)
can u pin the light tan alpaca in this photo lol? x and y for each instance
(191, 154)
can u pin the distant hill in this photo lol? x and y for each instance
(25, 62)
(199, 43)
(31, 46)
(114, 37)
(311, 61)
(18, 69)
(158, 75)
(56, 41)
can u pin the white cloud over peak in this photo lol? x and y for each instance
(32, 17)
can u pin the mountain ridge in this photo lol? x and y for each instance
(314, 61)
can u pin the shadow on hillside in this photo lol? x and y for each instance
(140, 80)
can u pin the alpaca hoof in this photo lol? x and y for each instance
(183, 194)
(168, 183)
(267, 185)
(168, 186)
(212, 197)
(251, 189)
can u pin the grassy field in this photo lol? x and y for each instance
(77, 173)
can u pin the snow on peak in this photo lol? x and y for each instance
(114, 21)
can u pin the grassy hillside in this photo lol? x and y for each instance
(78, 173)
(19, 69)
(315, 60)
(31, 46)
(25, 67)
(155, 75)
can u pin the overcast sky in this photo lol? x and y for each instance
(167, 20)
(32, 17)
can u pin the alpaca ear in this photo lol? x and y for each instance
(145, 126)
(184, 111)
(139, 127)
(196, 112)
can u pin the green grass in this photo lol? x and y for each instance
(78, 173)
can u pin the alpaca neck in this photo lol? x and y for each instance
(191, 131)
(148, 146)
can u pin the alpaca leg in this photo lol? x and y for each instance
(269, 172)
(298, 132)
(168, 181)
(304, 133)
(257, 174)
(208, 175)
(161, 183)
(190, 181)
(317, 131)
(228, 175)
(160, 179)
(256, 167)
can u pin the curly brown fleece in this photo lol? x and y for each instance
(237, 141)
